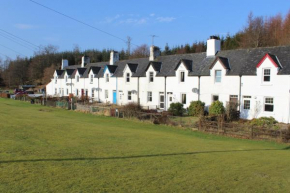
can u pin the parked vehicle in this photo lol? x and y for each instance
(19, 91)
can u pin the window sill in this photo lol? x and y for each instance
(266, 84)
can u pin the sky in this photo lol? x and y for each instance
(173, 22)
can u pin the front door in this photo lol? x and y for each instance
(114, 97)
(161, 100)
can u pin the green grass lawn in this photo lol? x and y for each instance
(53, 150)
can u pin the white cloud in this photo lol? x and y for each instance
(165, 19)
(134, 21)
(111, 19)
(152, 14)
(23, 26)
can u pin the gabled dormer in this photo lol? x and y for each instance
(152, 69)
(109, 71)
(93, 73)
(182, 69)
(267, 68)
(219, 68)
(128, 71)
(58, 74)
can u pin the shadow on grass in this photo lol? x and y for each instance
(134, 156)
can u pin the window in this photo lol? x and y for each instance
(218, 76)
(215, 98)
(182, 77)
(129, 95)
(87, 92)
(93, 93)
(183, 98)
(266, 75)
(170, 99)
(128, 77)
(92, 78)
(55, 91)
(269, 104)
(59, 90)
(151, 77)
(77, 92)
(65, 78)
(78, 78)
(247, 102)
(149, 96)
(106, 94)
(66, 91)
(107, 77)
(55, 80)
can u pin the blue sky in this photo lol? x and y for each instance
(174, 22)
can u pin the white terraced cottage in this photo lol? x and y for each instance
(257, 79)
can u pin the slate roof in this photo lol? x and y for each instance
(70, 71)
(132, 67)
(238, 62)
(187, 64)
(59, 72)
(224, 62)
(81, 71)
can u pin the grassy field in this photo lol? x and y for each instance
(53, 150)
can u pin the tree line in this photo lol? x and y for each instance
(258, 32)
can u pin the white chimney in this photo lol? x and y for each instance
(64, 63)
(85, 61)
(114, 57)
(154, 52)
(213, 46)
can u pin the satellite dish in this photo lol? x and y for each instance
(195, 90)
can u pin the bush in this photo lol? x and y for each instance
(216, 108)
(196, 108)
(176, 109)
(231, 111)
(268, 122)
(131, 109)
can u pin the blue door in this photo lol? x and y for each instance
(114, 97)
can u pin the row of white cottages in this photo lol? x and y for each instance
(258, 79)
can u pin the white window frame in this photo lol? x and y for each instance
(107, 78)
(106, 94)
(55, 79)
(151, 76)
(66, 78)
(92, 78)
(149, 96)
(129, 96)
(67, 91)
(268, 103)
(183, 100)
(182, 76)
(55, 91)
(215, 95)
(78, 78)
(127, 77)
(247, 106)
(266, 75)
(93, 93)
(215, 76)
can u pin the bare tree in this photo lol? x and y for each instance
(141, 51)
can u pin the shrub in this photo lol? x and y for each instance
(131, 109)
(216, 108)
(231, 111)
(196, 108)
(176, 109)
(268, 122)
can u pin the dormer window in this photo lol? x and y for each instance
(92, 78)
(182, 78)
(65, 78)
(55, 80)
(151, 77)
(266, 75)
(218, 76)
(78, 78)
(107, 77)
(128, 77)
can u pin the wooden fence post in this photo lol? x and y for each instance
(251, 132)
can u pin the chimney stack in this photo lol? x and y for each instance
(213, 46)
(85, 61)
(154, 53)
(114, 57)
(64, 63)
